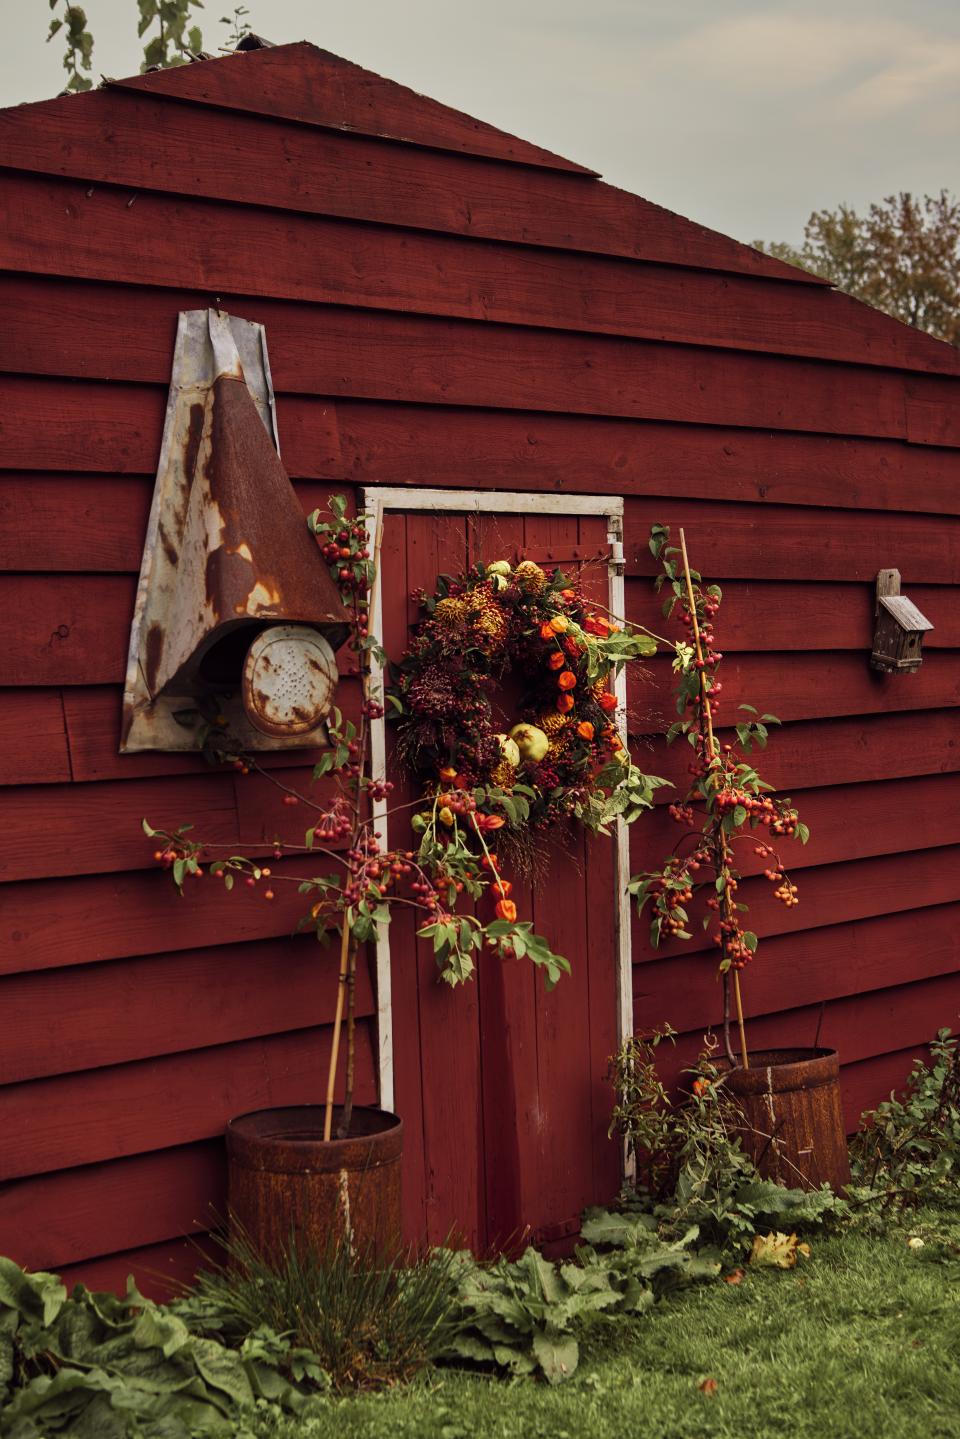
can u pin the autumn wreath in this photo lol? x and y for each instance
(558, 757)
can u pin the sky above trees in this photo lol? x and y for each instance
(743, 114)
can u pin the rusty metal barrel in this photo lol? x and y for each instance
(793, 1118)
(285, 1183)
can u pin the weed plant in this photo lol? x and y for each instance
(908, 1149)
(365, 1323)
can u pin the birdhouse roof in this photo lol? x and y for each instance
(905, 612)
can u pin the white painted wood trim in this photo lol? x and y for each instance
(617, 605)
(376, 502)
(497, 502)
(378, 767)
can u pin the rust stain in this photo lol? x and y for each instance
(169, 548)
(268, 561)
(154, 654)
(191, 441)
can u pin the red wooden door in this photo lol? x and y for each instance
(500, 1084)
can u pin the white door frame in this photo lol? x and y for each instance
(376, 502)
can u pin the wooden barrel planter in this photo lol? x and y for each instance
(285, 1182)
(793, 1120)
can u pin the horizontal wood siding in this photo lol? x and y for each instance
(445, 306)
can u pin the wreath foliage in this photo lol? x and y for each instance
(561, 758)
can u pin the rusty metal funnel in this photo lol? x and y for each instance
(228, 555)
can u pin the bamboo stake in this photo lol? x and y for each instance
(348, 969)
(343, 1128)
(714, 756)
(337, 1025)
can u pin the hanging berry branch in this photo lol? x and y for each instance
(727, 803)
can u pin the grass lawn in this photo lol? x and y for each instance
(863, 1341)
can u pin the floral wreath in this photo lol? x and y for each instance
(561, 760)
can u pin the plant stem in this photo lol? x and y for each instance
(743, 1032)
(714, 759)
(727, 1046)
(337, 1025)
(343, 1128)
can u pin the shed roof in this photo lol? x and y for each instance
(452, 176)
(310, 87)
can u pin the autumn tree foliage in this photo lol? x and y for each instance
(902, 256)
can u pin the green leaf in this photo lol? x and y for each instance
(557, 1354)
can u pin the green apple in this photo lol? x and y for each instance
(530, 741)
(509, 749)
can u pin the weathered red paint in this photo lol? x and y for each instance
(445, 306)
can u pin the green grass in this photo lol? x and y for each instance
(861, 1342)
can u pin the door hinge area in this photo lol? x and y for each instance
(616, 564)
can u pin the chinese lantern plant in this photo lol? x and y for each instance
(727, 804)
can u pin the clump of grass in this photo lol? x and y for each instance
(367, 1324)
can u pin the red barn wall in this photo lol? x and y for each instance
(452, 308)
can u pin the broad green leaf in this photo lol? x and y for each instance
(557, 1354)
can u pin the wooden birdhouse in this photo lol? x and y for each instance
(899, 628)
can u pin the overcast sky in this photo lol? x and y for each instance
(743, 114)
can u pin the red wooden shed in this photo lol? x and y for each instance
(446, 307)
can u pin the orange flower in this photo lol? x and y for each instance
(448, 774)
(502, 888)
(607, 701)
(546, 631)
(491, 821)
(585, 729)
(506, 909)
(568, 594)
(557, 660)
(558, 624)
(566, 680)
(564, 703)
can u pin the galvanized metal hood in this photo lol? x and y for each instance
(227, 550)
